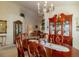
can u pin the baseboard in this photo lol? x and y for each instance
(7, 46)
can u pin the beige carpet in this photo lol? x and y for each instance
(8, 52)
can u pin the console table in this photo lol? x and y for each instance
(3, 40)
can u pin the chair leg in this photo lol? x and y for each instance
(20, 55)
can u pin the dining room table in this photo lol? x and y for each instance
(64, 50)
(55, 50)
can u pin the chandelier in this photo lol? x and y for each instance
(45, 8)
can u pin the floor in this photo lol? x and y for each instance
(9, 51)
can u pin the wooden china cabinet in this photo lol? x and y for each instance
(60, 29)
(17, 29)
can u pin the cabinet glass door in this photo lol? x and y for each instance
(66, 28)
(20, 28)
(16, 27)
(58, 27)
(52, 28)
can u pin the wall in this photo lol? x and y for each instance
(10, 11)
(31, 19)
(67, 9)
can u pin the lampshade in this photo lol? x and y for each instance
(55, 18)
(62, 18)
(50, 19)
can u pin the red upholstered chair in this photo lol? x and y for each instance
(42, 51)
(32, 49)
(19, 46)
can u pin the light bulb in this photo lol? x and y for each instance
(45, 4)
(38, 5)
(51, 5)
(44, 10)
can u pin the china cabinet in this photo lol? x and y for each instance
(60, 29)
(17, 28)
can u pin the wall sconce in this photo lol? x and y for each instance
(1, 25)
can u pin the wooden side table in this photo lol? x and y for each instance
(3, 39)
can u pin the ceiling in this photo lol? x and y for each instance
(32, 5)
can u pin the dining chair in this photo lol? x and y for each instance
(32, 49)
(59, 39)
(24, 36)
(19, 46)
(42, 51)
(25, 44)
(24, 41)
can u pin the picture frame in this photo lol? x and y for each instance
(77, 24)
(77, 28)
(3, 26)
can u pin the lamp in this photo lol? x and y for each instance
(45, 8)
(59, 17)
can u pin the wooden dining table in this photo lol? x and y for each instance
(73, 52)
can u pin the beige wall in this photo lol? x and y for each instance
(10, 12)
(31, 19)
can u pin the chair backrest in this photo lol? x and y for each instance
(24, 36)
(59, 39)
(19, 46)
(24, 40)
(42, 51)
(32, 49)
(25, 44)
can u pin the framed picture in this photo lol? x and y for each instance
(3, 26)
(77, 24)
(77, 28)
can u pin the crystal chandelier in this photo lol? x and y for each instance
(45, 8)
